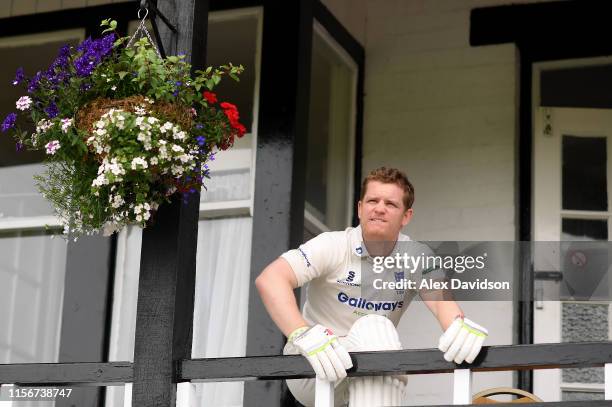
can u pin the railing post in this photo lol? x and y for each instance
(324, 393)
(185, 395)
(4, 392)
(127, 395)
(462, 386)
(608, 381)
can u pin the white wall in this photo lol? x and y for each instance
(10, 8)
(446, 113)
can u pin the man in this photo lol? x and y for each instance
(338, 267)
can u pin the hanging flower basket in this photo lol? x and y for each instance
(123, 130)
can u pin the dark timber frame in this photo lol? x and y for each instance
(541, 33)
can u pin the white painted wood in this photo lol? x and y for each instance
(127, 395)
(211, 210)
(608, 381)
(29, 223)
(462, 386)
(185, 395)
(324, 393)
(4, 394)
(232, 159)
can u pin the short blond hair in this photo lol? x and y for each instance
(390, 176)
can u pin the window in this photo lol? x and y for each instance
(32, 265)
(331, 135)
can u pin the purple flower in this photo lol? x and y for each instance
(201, 140)
(9, 122)
(19, 76)
(93, 53)
(34, 82)
(52, 110)
(178, 83)
(199, 126)
(19, 146)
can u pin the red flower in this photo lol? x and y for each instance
(240, 129)
(210, 97)
(231, 112)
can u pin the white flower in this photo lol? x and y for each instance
(113, 88)
(152, 119)
(116, 168)
(24, 103)
(100, 132)
(140, 111)
(177, 148)
(66, 123)
(116, 201)
(99, 181)
(138, 218)
(180, 135)
(52, 147)
(43, 125)
(139, 162)
(185, 158)
(154, 161)
(149, 101)
(167, 126)
(109, 228)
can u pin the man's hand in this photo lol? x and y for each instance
(462, 340)
(320, 346)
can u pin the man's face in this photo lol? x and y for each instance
(381, 212)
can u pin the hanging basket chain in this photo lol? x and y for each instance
(142, 31)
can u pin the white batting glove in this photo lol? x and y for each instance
(462, 340)
(321, 348)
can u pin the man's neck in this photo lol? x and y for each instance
(379, 246)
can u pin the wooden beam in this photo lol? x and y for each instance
(166, 288)
(423, 361)
(66, 374)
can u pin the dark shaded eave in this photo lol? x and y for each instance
(547, 30)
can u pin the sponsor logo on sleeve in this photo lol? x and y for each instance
(305, 257)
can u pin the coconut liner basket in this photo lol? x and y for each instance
(176, 113)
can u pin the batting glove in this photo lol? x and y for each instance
(321, 348)
(462, 340)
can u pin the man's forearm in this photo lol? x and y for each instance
(444, 311)
(276, 291)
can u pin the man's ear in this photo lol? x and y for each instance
(359, 209)
(407, 217)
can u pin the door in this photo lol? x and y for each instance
(572, 202)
